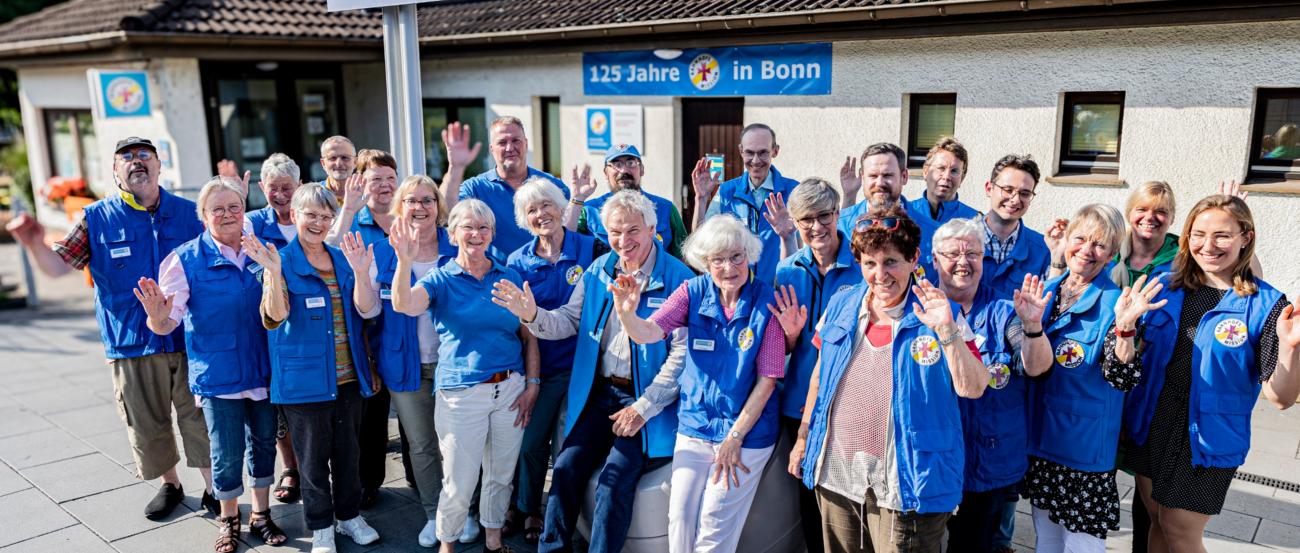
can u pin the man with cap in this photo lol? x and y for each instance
(122, 239)
(623, 171)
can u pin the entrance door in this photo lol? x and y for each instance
(710, 126)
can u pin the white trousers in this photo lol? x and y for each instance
(476, 429)
(707, 516)
(1054, 538)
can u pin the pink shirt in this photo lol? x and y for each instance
(771, 351)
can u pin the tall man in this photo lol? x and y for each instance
(944, 169)
(881, 177)
(122, 239)
(1011, 250)
(623, 171)
(338, 156)
(757, 197)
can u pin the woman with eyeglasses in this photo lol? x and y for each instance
(880, 440)
(727, 413)
(1220, 335)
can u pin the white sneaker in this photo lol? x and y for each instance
(357, 529)
(322, 541)
(471, 531)
(429, 535)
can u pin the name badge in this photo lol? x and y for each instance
(702, 344)
(386, 294)
(654, 302)
(119, 252)
(313, 303)
(979, 341)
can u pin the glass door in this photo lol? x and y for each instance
(248, 111)
(318, 119)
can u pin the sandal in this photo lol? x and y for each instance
(532, 529)
(261, 525)
(287, 493)
(513, 522)
(228, 539)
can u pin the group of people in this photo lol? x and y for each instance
(918, 365)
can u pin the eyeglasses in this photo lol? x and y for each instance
(734, 259)
(970, 256)
(1219, 239)
(625, 164)
(886, 223)
(234, 209)
(762, 155)
(313, 217)
(422, 202)
(1009, 191)
(142, 155)
(826, 218)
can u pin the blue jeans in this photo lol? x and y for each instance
(591, 445)
(535, 453)
(980, 523)
(240, 429)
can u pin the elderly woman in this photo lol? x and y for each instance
(483, 398)
(1074, 409)
(319, 370)
(1012, 346)
(551, 266)
(280, 178)
(727, 416)
(229, 371)
(880, 439)
(1221, 335)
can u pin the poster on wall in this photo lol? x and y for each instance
(119, 93)
(614, 124)
(783, 69)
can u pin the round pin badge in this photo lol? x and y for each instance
(1069, 354)
(1230, 332)
(999, 375)
(925, 350)
(844, 287)
(573, 274)
(746, 339)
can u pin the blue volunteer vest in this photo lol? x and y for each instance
(659, 434)
(1029, 256)
(925, 258)
(223, 327)
(1074, 413)
(1225, 377)
(364, 222)
(663, 218)
(995, 425)
(127, 244)
(812, 290)
(302, 347)
(552, 284)
(927, 422)
(734, 198)
(721, 363)
(395, 344)
(265, 227)
(919, 210)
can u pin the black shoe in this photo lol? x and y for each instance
(211, 504)
(369, 498)
(162, 504)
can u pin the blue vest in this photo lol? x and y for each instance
(663, 218)
(925, 259)
(927, 422)
(127, 244)
(1225, 376)
(721, 363)
(1074, 413)
(813, 290)
(734, 197)
(660, 432)
(302, 347)
(919, 210)
(265, 227)
(223, 327)
(394, 345)
(995, 425)
(552, 284)
(1029, 255)
(364, 222)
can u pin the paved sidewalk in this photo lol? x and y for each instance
(66, 474)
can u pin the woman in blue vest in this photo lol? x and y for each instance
(727, 416)
(994, 426)
(280, 178)
(487, 378)
(880, 439)
(551, 265)
(319, 369)
(208, 286)
(1223, 335)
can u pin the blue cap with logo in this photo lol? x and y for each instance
(620, 150)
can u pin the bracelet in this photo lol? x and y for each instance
(1126, 333)
(952, 336)
(1056, 265)
(576, 202)
(534, 380)
(1029, 334)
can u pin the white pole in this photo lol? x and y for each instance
(405, 100)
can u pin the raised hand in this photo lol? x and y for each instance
(1055, 237)
(265, 255)
(1231, 187)
(359, 256)
(850, 179)
(932, 309)
(156, 305)
(404, 237)
(777, 215)
(1135, 301)
(227, 168)
(788, 312)
(583, 184)
(519, 302)
(1288, 326)
(459, 153)
(1030, 301)
(627, 422)
(702, 180)
(354, 193)
(627, 294)
(26, 229)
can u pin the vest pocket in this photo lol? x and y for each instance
(1225, 424)
(1071, 430)
(126, 318)
(304, 369)
(938, 468)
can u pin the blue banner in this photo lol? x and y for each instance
(735, 71)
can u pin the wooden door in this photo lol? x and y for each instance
(709, 126)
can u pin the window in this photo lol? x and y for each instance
(1090, 132)
(551, 136)
(440, 112)
(1275, 138)
(70, 139)
(930, 117)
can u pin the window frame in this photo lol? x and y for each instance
(550, 146)
(48, 117)
(916, 154)
(1090, 164)
(1259, 167)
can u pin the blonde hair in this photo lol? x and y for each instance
(214, 185)
(1150, 193)
(1188, 275)
(408, 186)
(1106, 221)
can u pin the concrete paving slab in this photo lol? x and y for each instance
(11, 481)
(190, 534)
(1267, 508)
(38, 448)
(1224, 544)
(18, 419)
(88, 421)
(28, 514)
(1284, 537)
(119, 513)
(79, 477)
(58, 399)
(115, 445)
(1234, 525)
(73, 538)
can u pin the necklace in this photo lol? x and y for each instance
(1069, 293)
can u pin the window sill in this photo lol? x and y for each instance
(1086, 180)
(1271, 185)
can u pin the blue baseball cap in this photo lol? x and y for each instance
(620, 150)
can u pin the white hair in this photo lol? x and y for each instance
(471, 208)
(338, 138)
(317, 196)
(280, 165)
(962, 229)
(214, 185)
(718, 234)
(633, 202)
(534, 190)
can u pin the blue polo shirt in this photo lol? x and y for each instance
(919, 209)
(552, 284)
(477, 337)
(499, 196)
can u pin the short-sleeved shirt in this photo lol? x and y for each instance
(771, 351)
(499, 196)
(477, 338)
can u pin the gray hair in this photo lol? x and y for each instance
(471, 207)
(813, 195)
(961, 229)
(1107, 223)
(338, 138)
(280, 165)
(214, 185)
(536, 189)
(719, 234)
(317, 196)
(630, 201)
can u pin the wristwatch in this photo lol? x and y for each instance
(534, 380)
(734, 434)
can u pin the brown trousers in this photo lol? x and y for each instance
(852, 527)
(147, 389)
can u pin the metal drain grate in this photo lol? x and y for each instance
(1270, 482)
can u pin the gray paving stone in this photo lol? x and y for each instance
(115, 445)
(119, 513)
(11, 481)
(1234, 525)
(59, 399)
(38, 448)
(79, 477)
(1267, 508)
(190, 534)
(17, 419)
(1223, 544)
(88, 421)
(28, 514)
(73, 538)
(1279, 536)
